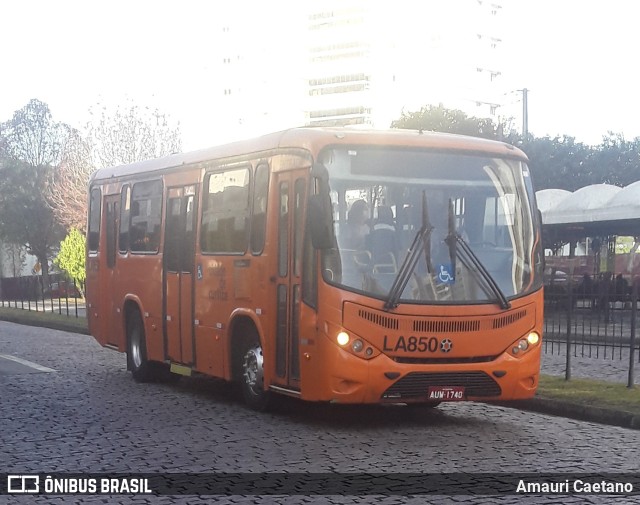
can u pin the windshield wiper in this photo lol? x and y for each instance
(458, 247)
(422, 238)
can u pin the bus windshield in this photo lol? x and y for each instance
(439, 226)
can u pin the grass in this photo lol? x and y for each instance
(585, 392)
(44, 319)
(588, 392)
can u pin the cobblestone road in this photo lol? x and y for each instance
(89, 415)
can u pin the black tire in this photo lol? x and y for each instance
(252, 376)
(141, 369)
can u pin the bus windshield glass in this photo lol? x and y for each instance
(401, 217)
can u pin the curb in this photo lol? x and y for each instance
(589, 413)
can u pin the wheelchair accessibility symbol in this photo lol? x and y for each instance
(445, 274)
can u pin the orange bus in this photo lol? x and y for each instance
(328, 264)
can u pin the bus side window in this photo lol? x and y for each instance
(259, 211)
(146, 212)
(94, 220)
(125, 212)
(225, 216)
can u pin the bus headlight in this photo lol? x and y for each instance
(533, 338)
(524, 344)
(349, 342)
(342, 338)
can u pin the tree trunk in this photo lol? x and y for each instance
(44, 265)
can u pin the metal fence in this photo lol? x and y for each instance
(585, 318)
(592, 317)
(27, 293)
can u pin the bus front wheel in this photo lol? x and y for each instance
(141, 368)
(252, 378)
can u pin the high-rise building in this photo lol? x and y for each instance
(350, 62)
(369, 60)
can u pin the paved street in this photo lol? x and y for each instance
(88, 415)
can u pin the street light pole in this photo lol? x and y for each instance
(525, 114)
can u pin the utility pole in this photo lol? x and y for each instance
(525, 114)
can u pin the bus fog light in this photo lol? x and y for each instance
(368, 351)
(523, 345)
(357, 345)
(515, 350)
(533, 338)
(343, 338)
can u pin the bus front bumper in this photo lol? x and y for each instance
(383, 380)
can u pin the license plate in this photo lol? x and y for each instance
(446, 393)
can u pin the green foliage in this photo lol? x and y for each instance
(71, 257)
(33, 137)
(556, 162)
(31, 147)
(25, 217)
(563, 163)
(440, 119)
(559, 162)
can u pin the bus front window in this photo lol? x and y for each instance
(383, 198)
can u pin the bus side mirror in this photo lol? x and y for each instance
(319, 221)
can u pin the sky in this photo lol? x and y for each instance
(576, 58)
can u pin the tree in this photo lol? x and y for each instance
(130, 133)
(440, 119)
(32, 136)
(15, 257)
(560, 162)
(67, 185)
(31, 148)
(71, 257)
(617, 160)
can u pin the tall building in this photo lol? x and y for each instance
(353, 62)
(369, 60)
(340, 61)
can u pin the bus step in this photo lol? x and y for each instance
(180, 369)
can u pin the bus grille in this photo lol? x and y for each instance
(503, 321)
(441, 324)
(379, 319)
(446, 326)
(416, 384)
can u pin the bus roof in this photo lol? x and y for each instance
(313, 139)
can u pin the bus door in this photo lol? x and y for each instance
(291, 195)
(179, 251)
(109, 301)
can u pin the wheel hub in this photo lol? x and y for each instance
(253, 370)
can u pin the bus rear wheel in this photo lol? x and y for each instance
(252, 377)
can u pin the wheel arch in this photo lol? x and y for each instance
(243, 327)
